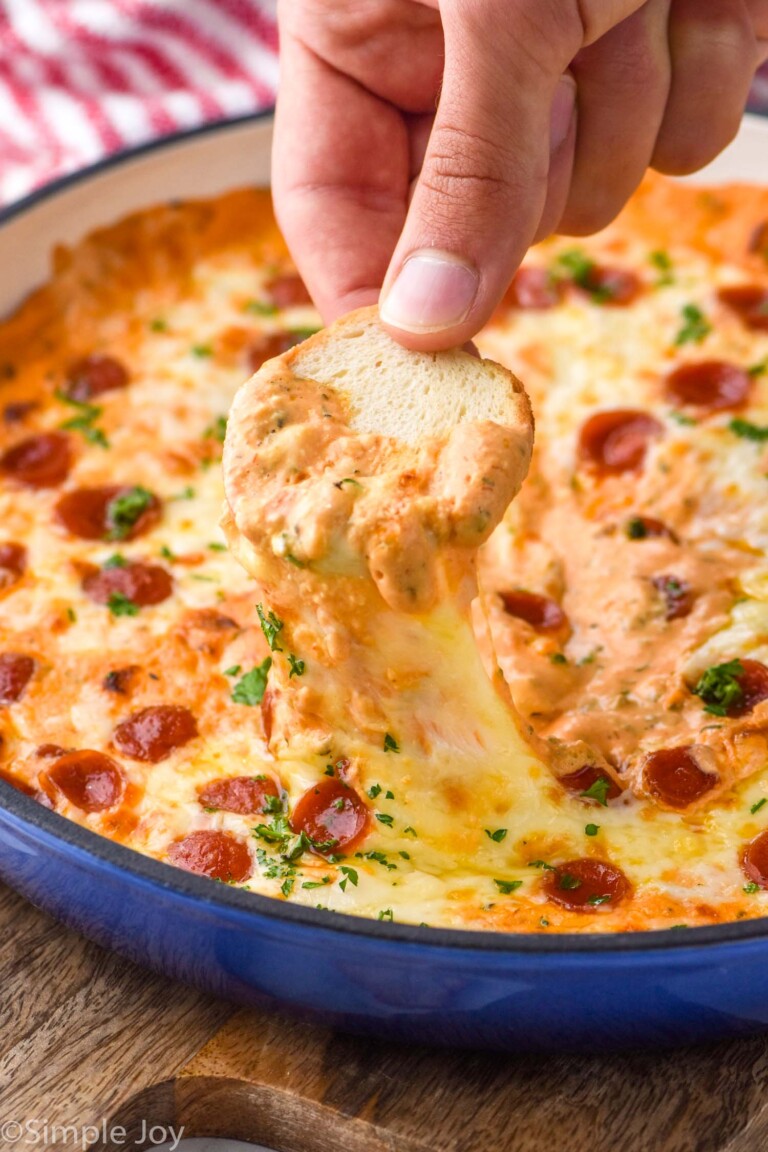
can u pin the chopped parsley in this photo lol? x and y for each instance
(568, 882)
(496, 836)
(661, 261)
(385, 818)
(116, 560)
(507, 886)
(598, 791)
(378, 858)
(591, 829)
(719, 687)
(120, 605)
(316, 883)
(386, 914)
(350, 875)
(216, 430)
(271, 626)
(758, 369)
(298, 667)
(390, 744)
(250, 688)
(409, 831)
(125, 509)
(158, 325)
(758, 805)
(540, 864)
(234, 670)
(84, 421)
(751, 888)
(558, 658)
(636, 528)
(261, 308)
(202, 351)
(374, 791)
(216, 546)
(748, 431)
(695, 326)
(349, 480)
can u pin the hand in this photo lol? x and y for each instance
(549, 113)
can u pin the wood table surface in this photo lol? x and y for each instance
(87, 1038)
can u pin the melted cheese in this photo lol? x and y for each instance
(180, 295)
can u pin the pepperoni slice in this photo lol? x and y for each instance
(94, 513)
(711, 384)
(153, 733)
(533, 288)
(15, 673)
(677, 595)
(270, 345)
(332, 815)
(754, 860)
(540, 612)
(38, 461)
(749, 302)
(753, 682)
(244, 794)
(617, 441)
(615, 287)
(215, 854)
(648, 527)
(13, 563)
(93, 375)
(586, 884)
(288, 290)
(91, 781)
(584, 779)
(142, 584)
(673, 776)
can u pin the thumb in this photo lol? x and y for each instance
(505, 106)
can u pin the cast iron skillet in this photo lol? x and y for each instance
(392, 980)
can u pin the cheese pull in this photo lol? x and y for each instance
(361, 479)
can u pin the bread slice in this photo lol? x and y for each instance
(407, 395)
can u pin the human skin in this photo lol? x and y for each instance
(421, 146)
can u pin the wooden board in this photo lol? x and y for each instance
(88, 1039)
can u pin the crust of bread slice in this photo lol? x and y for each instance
(402, 394)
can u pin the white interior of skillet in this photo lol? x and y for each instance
(229, 156)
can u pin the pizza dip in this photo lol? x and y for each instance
(583, 747)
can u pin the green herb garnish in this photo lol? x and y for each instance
(748, 431)
(507, 886)
(758, 805)
(719, 687)
(217, 430)
(124, 510)
(298, 667)
(250, 688)
(695, 327)
(591, 829)
(390, 744)
(271, 626)
(120, 605)
(598, 791)
(496, 836)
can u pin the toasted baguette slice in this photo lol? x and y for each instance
(407, 395)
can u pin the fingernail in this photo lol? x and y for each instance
(563, 105)
(433, 290)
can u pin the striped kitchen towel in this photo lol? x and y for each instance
(82, 78)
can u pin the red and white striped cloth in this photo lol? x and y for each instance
(83, 78)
